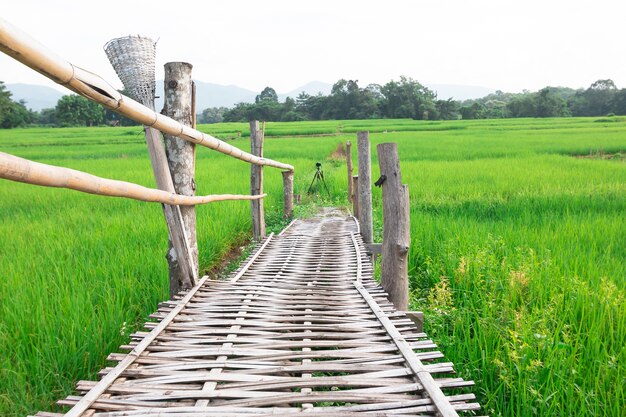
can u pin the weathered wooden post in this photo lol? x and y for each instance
(365, 187)
(133, 59)
(256, 182)
(288, 194)
(349, 165)
(181, 157)
(355, 194)
(396, 227)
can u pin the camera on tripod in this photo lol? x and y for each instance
(317, 179)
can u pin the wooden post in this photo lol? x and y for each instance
(178, 104)
(256, 182)
(124, 53)
(288, 194)
(355, 192)
(365, 187)
(349, 165)
(396, 227)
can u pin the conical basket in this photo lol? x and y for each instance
(133, 58)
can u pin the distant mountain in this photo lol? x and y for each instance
(213, 95)
(312, 88)
(37, 97)
(459, 92)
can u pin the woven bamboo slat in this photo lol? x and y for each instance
(302, 327)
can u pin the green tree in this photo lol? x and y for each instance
(348, 101)
(595, 100)
(549, 104)
(47, 117)
(5, 102)
(266, 106)
(522, 105)
(212, 115)
(312, 107)
(13, 114)
(447, 109)
(618, 105)
(475, 110)
(265, 110)
(239, 113)
(73, 110)
(17, 115)
(599, 96)
(407, 99)
(267, 95)
(289, 112)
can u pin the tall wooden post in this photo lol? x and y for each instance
(178, 104)
(349, 165)
(126, 55)
(256, 182)
(365, 187)
(396, 227)
(288, 194)
(355, 198)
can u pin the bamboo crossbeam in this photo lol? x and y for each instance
(31, 53)
(22, 170)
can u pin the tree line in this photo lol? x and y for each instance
(405, 98)
(408, 98)
(70, 110)
(401, 99)
(601, 98)
(13, 113)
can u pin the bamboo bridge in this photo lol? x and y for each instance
(300, 328)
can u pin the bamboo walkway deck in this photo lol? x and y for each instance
(301, 328)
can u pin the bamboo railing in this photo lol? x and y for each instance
(22, 170)
(31, 53)
(18, 45)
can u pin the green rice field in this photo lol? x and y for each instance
(518, 252)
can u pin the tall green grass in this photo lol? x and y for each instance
(81, 272)
(518, 258)
(517, 251)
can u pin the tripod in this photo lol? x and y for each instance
(317, 178)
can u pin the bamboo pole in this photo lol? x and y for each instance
(31, 53)
(29, 172)
(256, 181)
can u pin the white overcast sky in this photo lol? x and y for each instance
(507, 45)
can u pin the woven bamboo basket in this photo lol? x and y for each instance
(133, 58)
